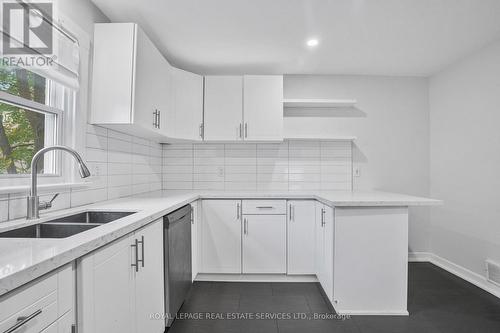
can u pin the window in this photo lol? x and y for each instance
(32, 113)
(41, 103)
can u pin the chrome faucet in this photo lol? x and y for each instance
(34, 205)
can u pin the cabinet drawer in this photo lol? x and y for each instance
(264, 207)
(38, 303)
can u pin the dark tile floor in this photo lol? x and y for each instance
(437, 302)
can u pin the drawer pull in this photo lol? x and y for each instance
(265, 207)
(23, 320)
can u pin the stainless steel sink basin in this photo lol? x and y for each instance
(47, 230)
(65, 226)
(99, 217)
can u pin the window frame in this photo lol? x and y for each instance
(51, 159)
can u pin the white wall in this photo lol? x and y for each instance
(465, 160)
(392, 129)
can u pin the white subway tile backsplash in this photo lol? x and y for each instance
(294, 165)
(4, 208)
(121, 165)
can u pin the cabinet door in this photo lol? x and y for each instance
(188, 104)
(318, 257)
(149, 284)
(166, 104)
(221, 236)
(329, 227)
(112, 79)
(106, 289)
(263, 107)
(223, 111)
(301, 237)
(194, 238)
(148, 82)
(264, 244)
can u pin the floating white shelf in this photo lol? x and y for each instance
(318, 103)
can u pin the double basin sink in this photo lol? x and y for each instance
(66, 226)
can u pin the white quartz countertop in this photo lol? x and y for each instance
(23, 260)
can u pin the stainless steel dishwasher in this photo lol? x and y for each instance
(177, 256)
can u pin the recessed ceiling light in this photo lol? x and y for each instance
(312, 42)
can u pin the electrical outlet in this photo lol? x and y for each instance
(357, 171)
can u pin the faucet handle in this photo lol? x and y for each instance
(53, 198)
(47, 204)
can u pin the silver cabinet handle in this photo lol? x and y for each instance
(238, 211)
(155, 119)
(23, 320)
(264, 207)
(291, 207)
(142, 251)
(136, 251)
(245, 226)
(246, 130)
(323, 217)
(240, 132)
(192, 217)
(201, 130)
(159, 119)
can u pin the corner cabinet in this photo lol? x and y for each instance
(131, 81)
(325, 228)
(187, 106)
(243, 108)
(120, 286)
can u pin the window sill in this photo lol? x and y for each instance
(43, 188)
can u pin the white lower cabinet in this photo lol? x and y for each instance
(325, 227)
(195, 213)
(264, 244)
(301, 237)
(371, 260)
(220, 243)
(121, 284)
(44, 305)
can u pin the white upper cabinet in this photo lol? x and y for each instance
(130, 77)
(187, 104)
(246, 107)
(263, 107)
(134, 88)
(223, 108)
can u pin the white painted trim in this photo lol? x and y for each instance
(255, 278)
(457, 270)
(419, 256)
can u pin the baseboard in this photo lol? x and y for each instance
(457, 270)
(419, 256)
(255, 278)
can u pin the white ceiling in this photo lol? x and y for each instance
(367, 37)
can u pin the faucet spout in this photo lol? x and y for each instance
(34, 205)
